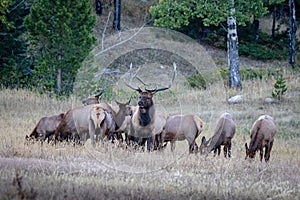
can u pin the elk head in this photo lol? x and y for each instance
(145, 99)
(204, 145)
(249, 152)
(93, 99)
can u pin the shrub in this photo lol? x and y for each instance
(197, 81)
(279, 88)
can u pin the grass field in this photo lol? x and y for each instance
(30, 170)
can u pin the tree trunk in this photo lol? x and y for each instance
(59, 78)
(98, 8)
(233, 54)
(117, 15)
(256, 29)
(274, 22)
(292, 33)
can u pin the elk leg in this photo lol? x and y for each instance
(149, 143)
(261, 152)
(193, 147)
(215, 151)
(267, 155)
(229, 149)
(92, 132)
(225, 150)
(219, 150)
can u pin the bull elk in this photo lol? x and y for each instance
(143, 120)
(46, 127)
(262, 136)
(181, 127)
(223, 135)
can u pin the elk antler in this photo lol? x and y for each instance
(165, 88)
(131, 78)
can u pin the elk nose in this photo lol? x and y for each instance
(140, 103)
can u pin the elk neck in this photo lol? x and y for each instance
(146, 118)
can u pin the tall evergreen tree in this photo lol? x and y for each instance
(14, 65)
(60, 34)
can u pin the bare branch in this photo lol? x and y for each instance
(103, 34)
(122, 42)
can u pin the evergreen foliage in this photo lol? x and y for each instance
(14, 64)
(60, 34)
(279, 88)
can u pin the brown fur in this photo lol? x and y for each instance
(143, 119)
(223, 134)
(93, 99)
(46, 127)
(78, 122)
(101, 123)
(181, 127)
(262, 136)
(142, 124)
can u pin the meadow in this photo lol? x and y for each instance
(30, 170)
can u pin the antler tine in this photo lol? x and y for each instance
(131, 78)
(138, 78)
(173, 78)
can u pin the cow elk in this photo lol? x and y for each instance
(143, 120)
(182, 127)
(262, 136)
(79, 121)
(223, 134)
(46, 127)
(93, 99)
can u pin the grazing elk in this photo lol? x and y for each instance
(77, 122)
(143, 120)
(262, 136)
(182, 127)
(46, 127)
(223, 135)
(94, 99)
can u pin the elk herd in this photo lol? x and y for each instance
(143, 123)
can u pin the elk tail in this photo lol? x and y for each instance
(199, 124)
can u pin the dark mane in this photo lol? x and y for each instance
(145, 118)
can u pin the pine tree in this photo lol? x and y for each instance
(60, 34)
(14, 65)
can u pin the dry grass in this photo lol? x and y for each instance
(32, 171)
